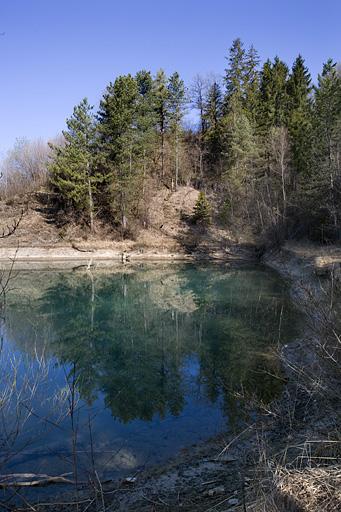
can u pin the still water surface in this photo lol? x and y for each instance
(123, 368)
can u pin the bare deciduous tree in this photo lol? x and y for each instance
(25, 167)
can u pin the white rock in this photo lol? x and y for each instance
(233, 501)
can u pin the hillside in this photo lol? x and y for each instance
(169, 228)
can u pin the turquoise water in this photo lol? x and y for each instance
(118, 369)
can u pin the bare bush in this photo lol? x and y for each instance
(24, 169)
(303, 473)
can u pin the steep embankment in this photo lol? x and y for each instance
(167, 232)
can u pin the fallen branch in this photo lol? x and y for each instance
(9, 230)
(32, 480)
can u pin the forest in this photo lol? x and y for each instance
(261, 144)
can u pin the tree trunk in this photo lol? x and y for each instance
(176, 159)
(91, 202)
(162, 152)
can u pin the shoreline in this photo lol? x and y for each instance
(25, 258)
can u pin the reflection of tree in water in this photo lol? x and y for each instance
(129, 335)
(119, 342)
(237, 354)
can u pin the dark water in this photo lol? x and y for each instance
(120, 369)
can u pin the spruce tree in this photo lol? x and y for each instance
(251, 83)
(202, 210)
(325, 183)
(235, 74)
(239, 146)
(274, 100)
(300, 120)
(241, 152)
(213, 110)
(242, 78)
(72, 170)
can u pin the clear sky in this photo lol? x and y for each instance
(55, 52)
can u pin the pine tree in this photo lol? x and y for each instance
(72, 170)
(118, 145)
(176, 102)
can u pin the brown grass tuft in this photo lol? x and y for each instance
(310, 489)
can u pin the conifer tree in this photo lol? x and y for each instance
(299, 120)
(325, 183)
(238, 132)
(161, 96)
(146, 120)
(274, 101)
(118, 145)
(251, 83)
(240, 147)
(72, 170)
(242, 78)
(202, 210)
(213, 110)
(235, 74)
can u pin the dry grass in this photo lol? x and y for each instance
(299, 470)
(311, 489)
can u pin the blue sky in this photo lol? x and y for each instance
(55, 52)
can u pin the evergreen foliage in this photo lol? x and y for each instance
(202, 210)
(268, 145)
(72, 171)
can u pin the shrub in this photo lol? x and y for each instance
(202, 210)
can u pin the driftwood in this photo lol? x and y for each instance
(33, 480)
(80, 249)
(9, 230)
